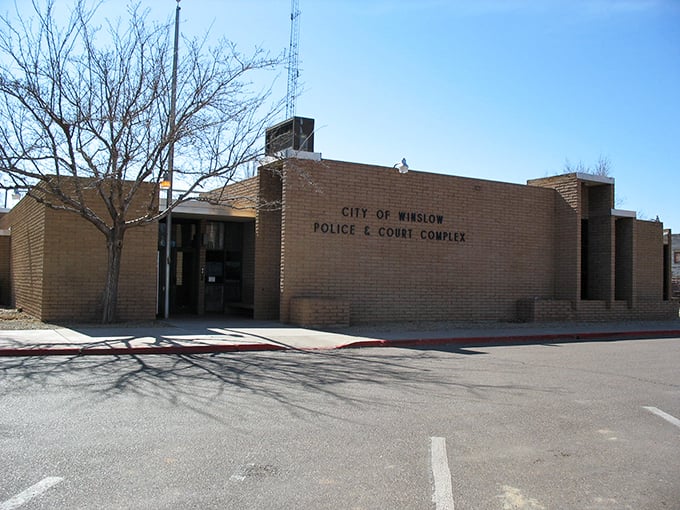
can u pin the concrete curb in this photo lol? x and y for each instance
(407, 342)
(514, 339)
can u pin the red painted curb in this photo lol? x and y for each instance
(409, 342)
(511, 339)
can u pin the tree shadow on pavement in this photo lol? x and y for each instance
(297, 381)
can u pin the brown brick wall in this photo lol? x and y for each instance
(268, 245)
(567, 185)
(639, 277)
(675, 266)
(5, 254)
(241, 195)
(248, 268)
(545, 310)
(498, 249)
(59, 261)
(601, 258)
(27, 241)
(648, 261)
(75, 270)
(601, 241)
(505, 251)
(75, 264)
(624, 259)
(568, 206)
(319, 312)
(591, 201)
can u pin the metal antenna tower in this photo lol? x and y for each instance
(293, 71)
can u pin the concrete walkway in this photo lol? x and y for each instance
(208, 335)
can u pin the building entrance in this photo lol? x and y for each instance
(223, 265)
(206, 267)
(184, 265)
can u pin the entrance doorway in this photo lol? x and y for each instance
(206, 267)
(184, 266)
(223, 264)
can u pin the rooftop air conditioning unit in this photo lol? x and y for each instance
(296, 133)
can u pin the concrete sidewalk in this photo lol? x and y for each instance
(211, 335)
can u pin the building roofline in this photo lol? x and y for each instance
(601, 179)
(622, 213)
(202, 208)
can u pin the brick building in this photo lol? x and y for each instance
(675, 264)
(52, 264)
(357, 243)
(334, 243)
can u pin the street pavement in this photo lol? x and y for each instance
(220, 334)
(569, 426)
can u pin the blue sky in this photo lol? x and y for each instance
(506, 90)
(497, 89)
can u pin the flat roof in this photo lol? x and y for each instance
(206, 209)
(600, 179)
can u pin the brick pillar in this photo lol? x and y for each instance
(268, 245)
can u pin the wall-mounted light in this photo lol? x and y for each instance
(165, 181)
(16, 195)
(402, 167)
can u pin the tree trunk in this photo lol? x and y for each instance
(114, 248)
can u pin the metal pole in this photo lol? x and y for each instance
(171, 164)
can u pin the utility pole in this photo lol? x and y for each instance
(171, 164)
(293, 71)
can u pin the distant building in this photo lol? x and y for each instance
(675, 265)
(337, 243)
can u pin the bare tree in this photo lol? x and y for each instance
(85, 108)
(601, 168)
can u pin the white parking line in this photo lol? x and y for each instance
(665, 416)
(30, 493)
(443, 494)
